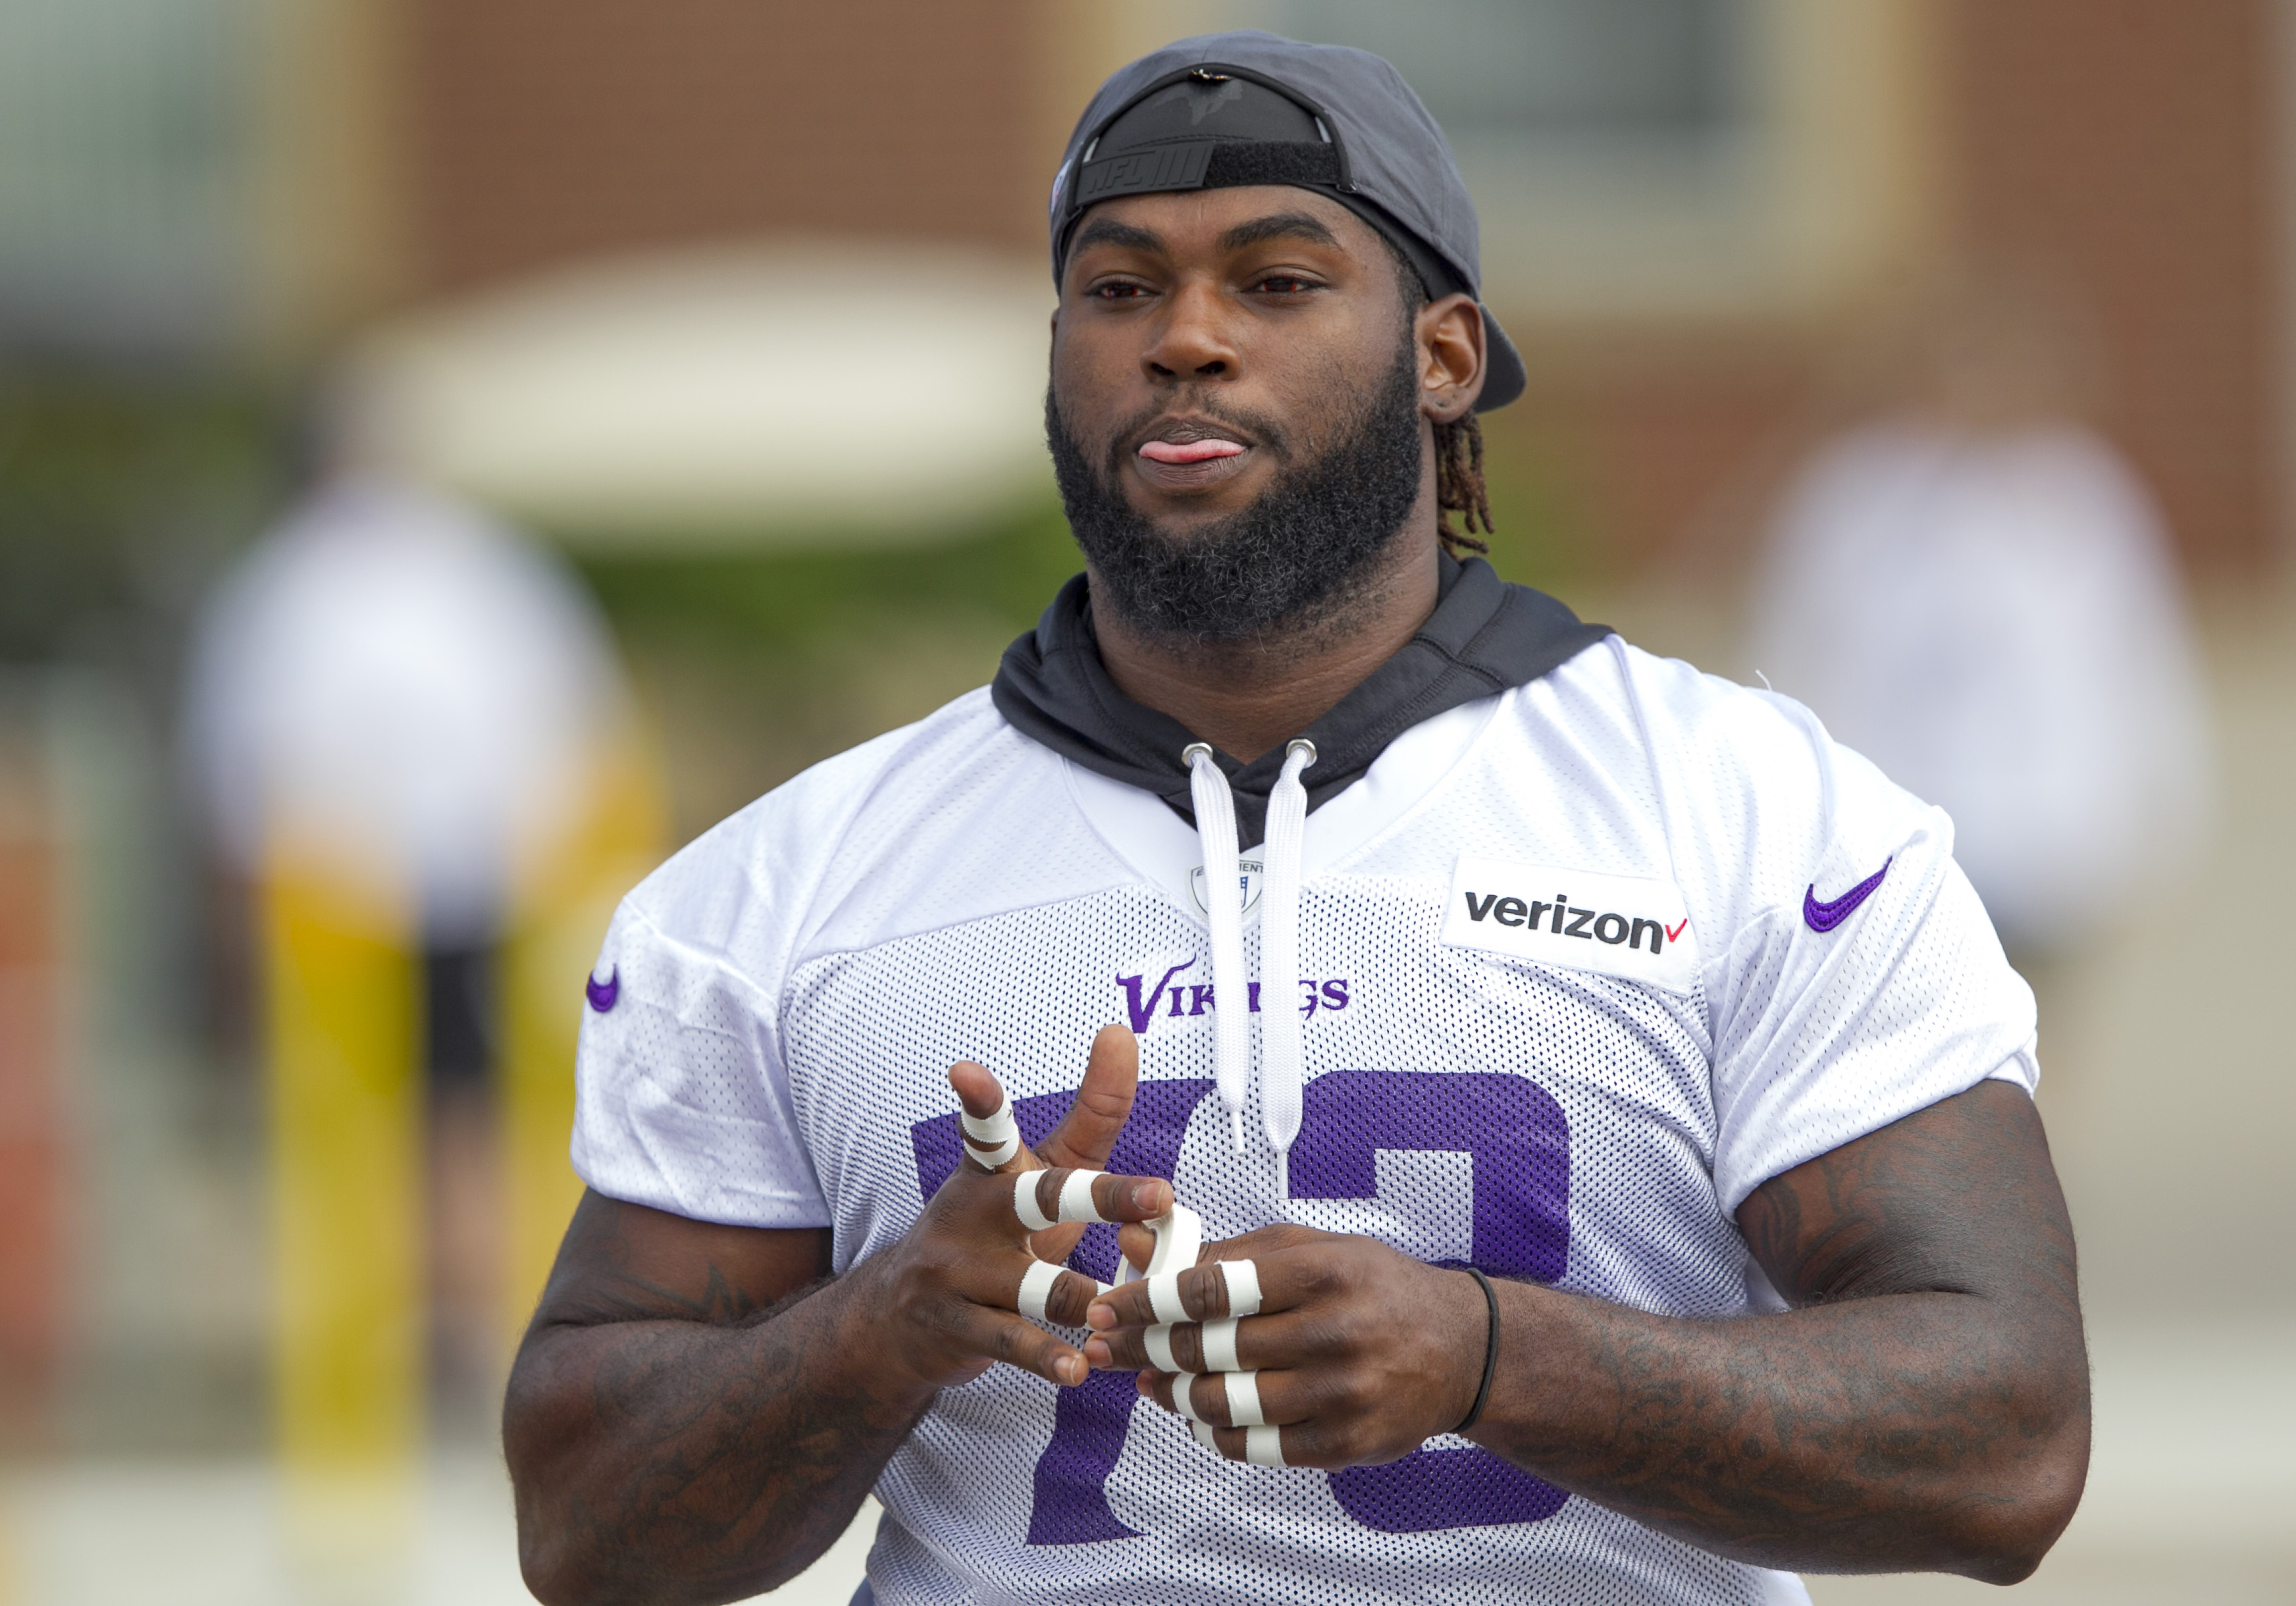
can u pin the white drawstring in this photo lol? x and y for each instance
(1283, 1057)
(1224, 903)
(1282, 1067)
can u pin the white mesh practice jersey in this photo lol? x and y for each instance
(1581, 965)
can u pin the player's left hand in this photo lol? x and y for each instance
(1361, 1352)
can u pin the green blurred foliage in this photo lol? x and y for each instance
(1541, 534)
(791, 600)
(120, 497)
(777, 602)
(753, 664)
(123, 497)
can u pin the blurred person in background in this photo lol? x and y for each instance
(409, 696)
(1972, 588)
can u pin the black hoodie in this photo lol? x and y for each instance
(1484, 637)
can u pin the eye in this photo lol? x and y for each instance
(1286, 284)
(1118, 289)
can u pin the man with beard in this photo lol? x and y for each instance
(1604, 1102)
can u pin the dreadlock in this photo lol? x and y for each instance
(1458, 445)
(1459, 486)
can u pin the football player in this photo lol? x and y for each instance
(1607, 1106)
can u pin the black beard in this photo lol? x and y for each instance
(1294, 557)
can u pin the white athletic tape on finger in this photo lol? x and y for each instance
(1184, 1398)
(995, 1138)
(1203, 1432)
(1179, 1234)
(1036, 1285)
(1243, 1399)
(989, 1128)
(1219, 1346)
(1164, 1298)
(1242, 1280)
(1158, 1340)
(1024, 1202)
(1264, 1446)
(1075, 1197)
(1179, 1237)
(989, 1159)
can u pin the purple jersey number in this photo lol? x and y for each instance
(1090, 1421)
(1521, 1213)
(1521, 1225)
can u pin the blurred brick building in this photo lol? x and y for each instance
(2131, 154)
(1685, 201)
(542, 130)
(2126, 147)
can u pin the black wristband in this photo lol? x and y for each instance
(1491, 1352)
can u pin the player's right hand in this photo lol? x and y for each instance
(952, 1284)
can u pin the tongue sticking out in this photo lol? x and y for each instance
(1189, 451)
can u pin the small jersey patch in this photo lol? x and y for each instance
(1247, 875)
(1627, 926)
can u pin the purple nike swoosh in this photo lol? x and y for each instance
(1824, 917)
(602, 994)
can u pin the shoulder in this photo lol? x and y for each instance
(1717, 734)
(1755, 799)
(953, 817)
(758, 867)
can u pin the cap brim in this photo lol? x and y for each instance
(1503, 377)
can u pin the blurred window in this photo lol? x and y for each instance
(1521, 71)
(124, 217)
(1661, 158)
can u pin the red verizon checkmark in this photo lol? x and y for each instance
(1674, 933)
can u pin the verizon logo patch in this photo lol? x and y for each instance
(1627, 926)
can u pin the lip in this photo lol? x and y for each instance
(1189, 453)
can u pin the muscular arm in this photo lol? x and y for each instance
(697, 1411)
(657, 1447)
(1924, 1406)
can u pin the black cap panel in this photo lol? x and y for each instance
(1203, 164)
(1205, 102)
(1214, 126)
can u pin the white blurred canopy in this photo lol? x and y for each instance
(882, 391)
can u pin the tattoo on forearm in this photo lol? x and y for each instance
(677, 1430)
(1934, 1371)
(716, 1455)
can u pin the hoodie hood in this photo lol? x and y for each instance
(1484, 637)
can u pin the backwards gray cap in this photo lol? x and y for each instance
(1225, 110)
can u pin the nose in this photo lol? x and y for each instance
(1192, 338)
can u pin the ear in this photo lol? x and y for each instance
(1450, 337)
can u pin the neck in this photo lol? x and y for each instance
(1248, 697)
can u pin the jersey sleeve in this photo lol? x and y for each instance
(1862, 981)
(682, 1100)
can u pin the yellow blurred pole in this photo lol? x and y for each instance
(566, 898)
(343, 1005)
